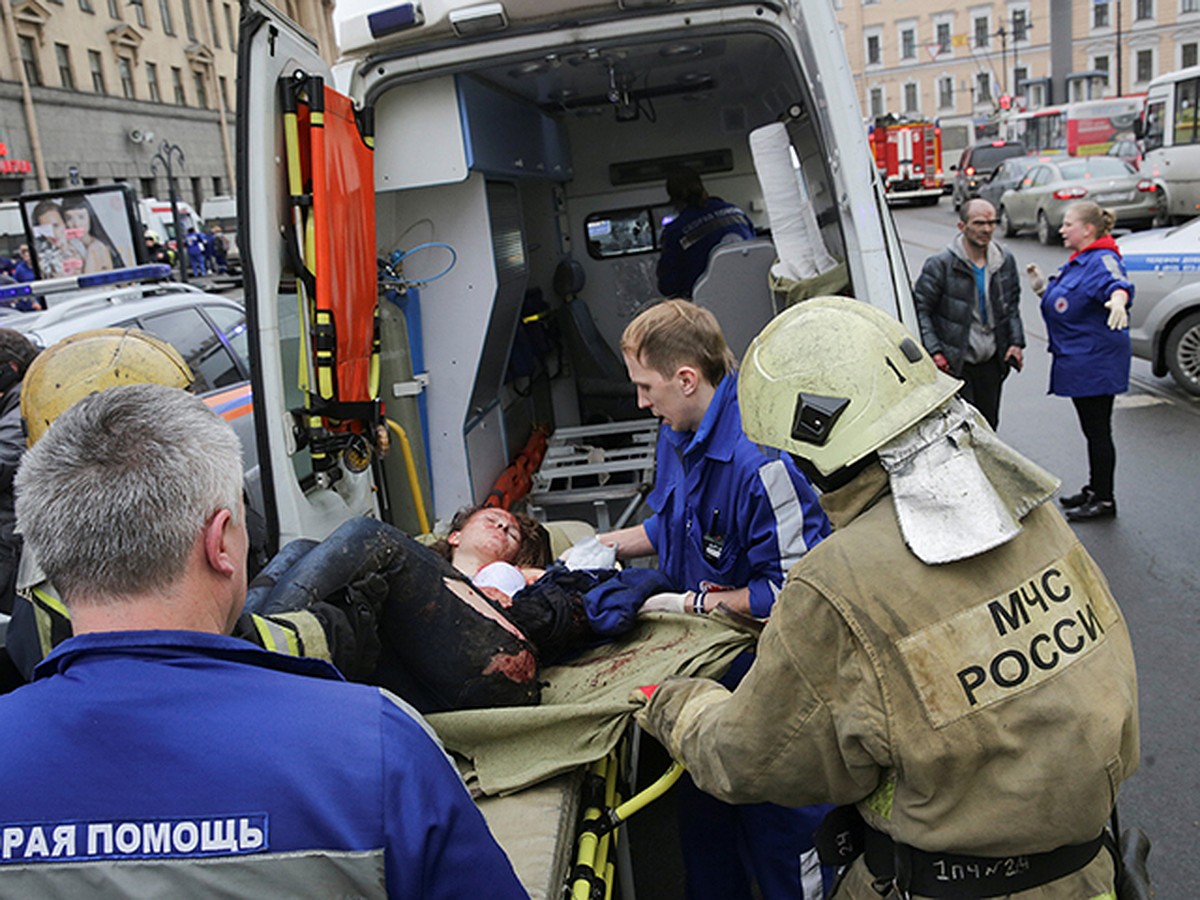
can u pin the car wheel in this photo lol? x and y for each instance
(1044, 232)
(1183, 353)
(1162, 211)
(1006, 225)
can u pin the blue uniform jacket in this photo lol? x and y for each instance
(1089, 359)
(690, 237)
(206, 766)
(727, 513)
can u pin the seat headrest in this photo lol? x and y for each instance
(568, 277)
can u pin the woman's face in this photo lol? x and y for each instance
(1076, 234)
(79, 218)
(491, 534)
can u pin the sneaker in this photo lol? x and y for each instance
(1093, 509)
(1085, 495)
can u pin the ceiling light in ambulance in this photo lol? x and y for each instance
(480, 19)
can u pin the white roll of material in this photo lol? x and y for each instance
(794, 229)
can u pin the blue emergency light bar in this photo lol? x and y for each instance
(149, 272)
(396, 18)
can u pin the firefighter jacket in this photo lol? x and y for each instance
(984, 707)
(190, 765)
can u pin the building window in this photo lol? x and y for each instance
(29, 60)
(1020, 25)
(139, 9)
(946, 92)
(983, 87)
(908, 44)
(86, 6)
(1187, 55)
(1189, 6)
(1144, 9)
(943, 37)
(189, 22)
(224, 87)
(152, 82)
(217, 192)
(66, 75)
(1100, 64)
(164, 8)
(1020, 73)
(201, 89)
(229, 25)
(873, 55)
(876, 102)
(114, 9)
(147, 188)
(981, 31)
(911, 101)
(125, 71)
(197, 192)
(96, 65)
(177, 83)
(1100, 15)
(212, 22)
(1145, 65)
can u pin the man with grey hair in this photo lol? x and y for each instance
(174, 744)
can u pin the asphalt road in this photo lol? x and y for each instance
(1149, 552)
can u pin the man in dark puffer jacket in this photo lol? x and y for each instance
(968, 306)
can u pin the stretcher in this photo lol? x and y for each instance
(530, 768)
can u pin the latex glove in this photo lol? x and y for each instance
(1037, 281)
(1118, 318)
(668, 602)
(939, 360)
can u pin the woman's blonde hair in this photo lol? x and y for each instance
(1094, 214)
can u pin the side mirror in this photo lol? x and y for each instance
(1139, 129)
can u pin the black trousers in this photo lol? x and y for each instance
(982, 386)
(1095, 418)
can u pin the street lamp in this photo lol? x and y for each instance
(166, 153)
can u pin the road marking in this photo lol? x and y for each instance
(1136, 401)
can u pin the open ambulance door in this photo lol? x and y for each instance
(307, 234)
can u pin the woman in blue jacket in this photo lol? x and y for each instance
(1084, 306)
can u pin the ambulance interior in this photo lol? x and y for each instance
(544, 172)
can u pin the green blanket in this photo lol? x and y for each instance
(585, 703)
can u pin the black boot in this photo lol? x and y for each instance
(1095, 508)
(1085, 495)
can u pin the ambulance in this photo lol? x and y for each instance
(444, 234)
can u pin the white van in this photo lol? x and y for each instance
(222, 211)
(502, 157)
(157, 216)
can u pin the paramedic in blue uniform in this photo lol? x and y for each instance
(701, 223)
(185, 762)
(729, 520)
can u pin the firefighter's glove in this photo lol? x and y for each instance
(640, 696)
(1037, 281)
(1118, 318)
(668, 602)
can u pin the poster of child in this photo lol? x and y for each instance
(81, 232)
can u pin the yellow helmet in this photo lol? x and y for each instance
(831, 380)
(90, 362)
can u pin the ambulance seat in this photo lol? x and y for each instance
(735, 287)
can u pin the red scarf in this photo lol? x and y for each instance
(1104, 243)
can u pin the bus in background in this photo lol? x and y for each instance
(1088, 128)
(1171, 144)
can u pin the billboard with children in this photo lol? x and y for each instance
(80, 231)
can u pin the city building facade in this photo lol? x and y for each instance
(96, 92)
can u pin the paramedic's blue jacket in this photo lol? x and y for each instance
(170, 763)
(690, 237)
(727, 513)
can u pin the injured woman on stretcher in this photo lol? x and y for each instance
(524, 666)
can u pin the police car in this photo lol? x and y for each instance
(1164, 320)
(208, 330)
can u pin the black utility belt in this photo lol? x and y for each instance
(959, 877)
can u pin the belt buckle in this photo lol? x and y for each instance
(890, 889)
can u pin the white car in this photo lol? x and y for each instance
(1164, 320)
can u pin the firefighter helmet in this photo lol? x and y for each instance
(89, 362)
(831, 380)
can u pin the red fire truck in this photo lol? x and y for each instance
(908, 155)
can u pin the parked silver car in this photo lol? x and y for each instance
(1164, 319)
(1043, 195)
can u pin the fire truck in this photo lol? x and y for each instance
(908, 155)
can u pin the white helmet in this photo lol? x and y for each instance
(831, 380)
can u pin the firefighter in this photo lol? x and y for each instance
(340, 629)
(949, 661)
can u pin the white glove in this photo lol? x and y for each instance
(1037, 281)
(1118, 318)
(668, 602)
(589, 553)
